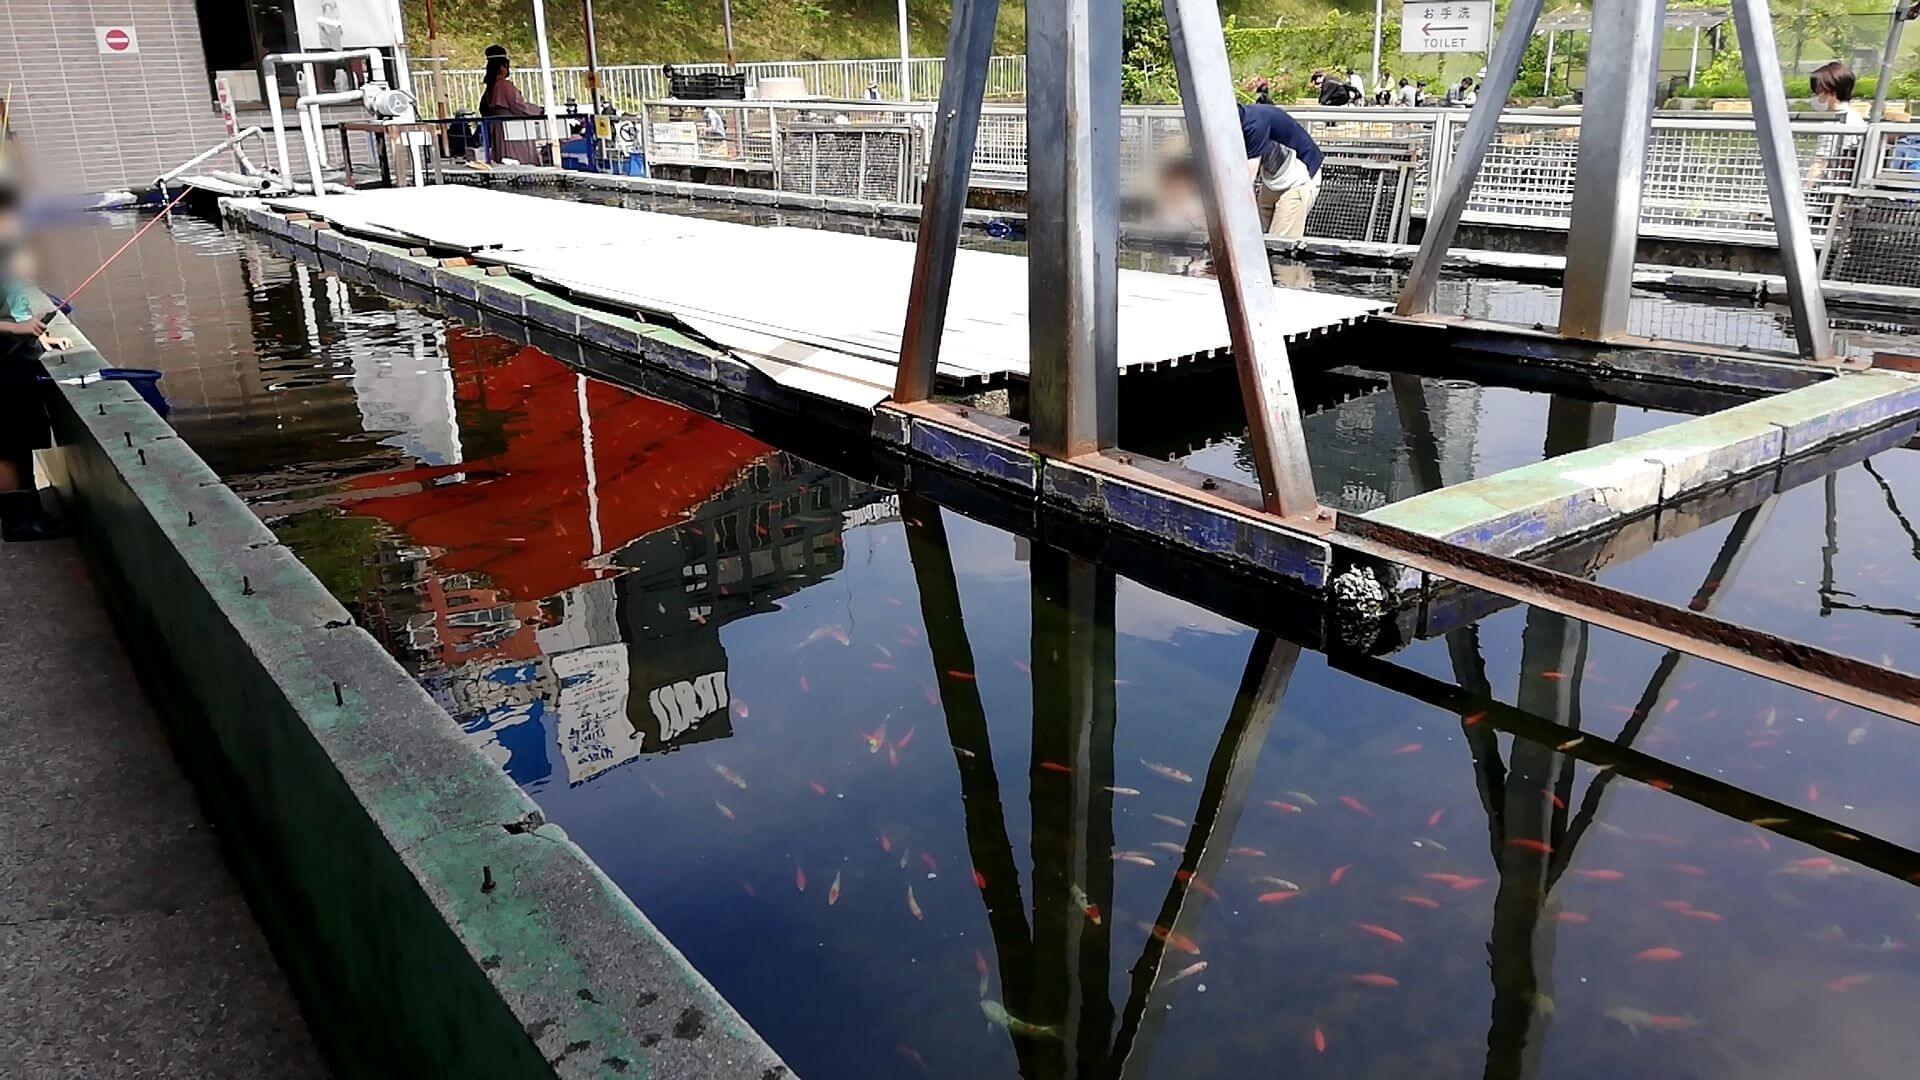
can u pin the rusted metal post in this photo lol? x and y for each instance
(1240, 256)
(943, 199)
(1073, 224)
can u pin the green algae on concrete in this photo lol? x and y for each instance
(431, 921)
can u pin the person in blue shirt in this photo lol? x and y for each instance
(1284, 162)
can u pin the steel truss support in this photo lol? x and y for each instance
(1754, 24)
(1073, 115)
(1240, 256)
(1623, 69)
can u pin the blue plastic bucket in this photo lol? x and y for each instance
(146, 383)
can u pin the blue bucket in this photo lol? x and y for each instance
(146, 383)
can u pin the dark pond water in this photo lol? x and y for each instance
(923, 797)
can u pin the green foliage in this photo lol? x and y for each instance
(1147, 76)
(340, 549)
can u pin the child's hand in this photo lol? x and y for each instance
(55, 344)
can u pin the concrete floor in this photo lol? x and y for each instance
(129, 949)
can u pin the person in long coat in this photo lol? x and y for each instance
(498, 102)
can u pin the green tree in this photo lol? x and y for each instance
(1146, 58)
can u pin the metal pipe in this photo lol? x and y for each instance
(1546, 81)
(376, 71)
(906, 75)
(314, 168)
(726, 19)
(1754, 25)
(1379, 16)
(254, 132)
(593, 56)
(546, 77)
(1902, 11)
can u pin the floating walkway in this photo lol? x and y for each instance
(761, 290)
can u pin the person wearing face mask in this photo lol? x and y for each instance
(1832, 85)
(23, 418)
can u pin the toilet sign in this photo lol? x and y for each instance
(1453, 26)
(116, 40)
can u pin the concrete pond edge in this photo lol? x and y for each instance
(429, 918)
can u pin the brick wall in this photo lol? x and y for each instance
(89, 122)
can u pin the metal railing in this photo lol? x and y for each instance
(626, 86)
(745, 135)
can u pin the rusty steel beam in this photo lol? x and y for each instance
(1756, 652)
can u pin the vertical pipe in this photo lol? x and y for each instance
(438, 63)
(906, 61)
(546, 76)
(1073, 224)
(726, 22)
(270, 76)
(943, 198)
(1605, 221)
(1446, 203)
(1379, 14)
(593, 56)
(1754, 25)
(1693, 59)
(1887, 57)
(1546, 81)
(1274, 431)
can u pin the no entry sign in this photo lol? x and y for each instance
(116, 40)
(1453, 26)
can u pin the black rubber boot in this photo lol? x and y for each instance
(23, 520)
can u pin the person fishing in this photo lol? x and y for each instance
(499, 103)
(23, 416)
(1285, 163)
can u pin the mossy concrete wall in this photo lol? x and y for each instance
(431, 921)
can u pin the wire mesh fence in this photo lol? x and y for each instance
(876, 162)
(1877, 240)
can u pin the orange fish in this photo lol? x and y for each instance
(1688, 869)
(1382, 933)
(1196, 884)
(963, 676)
(1410, 748)
(1286, 807)
(1376, 980)
(1558, 802)
(979, 880)
(1338, 873)
(1054, 766)
(1704, 916)
(724, 812)
(1444, 879)
(1816, 862)
(1176, 940)
(1355, 805)
(1280, 896)
(818, 787)
(1675, 905)
(1528, 843)
(1319, 1041)
(1247, 852)
(1419, 901)
(1572, 918)
(875, 738)
(1474, 719)
(799, 879)
(1468, 883)
(886, 842)
(1553, 675)
(905, 739)
(1601, 875)
(833, 890)
(1434, 818)
(1813, 793)
(914, 906)
(1846, 982)
(1659, 954)
(980, 963)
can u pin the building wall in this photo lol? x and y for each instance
(89, 122)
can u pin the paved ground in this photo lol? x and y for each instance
(126, 947)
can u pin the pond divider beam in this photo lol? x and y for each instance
(1073, 222)
(1604, 224)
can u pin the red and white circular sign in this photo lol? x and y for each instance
(116, 40)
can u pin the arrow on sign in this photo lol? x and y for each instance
(1429, 28)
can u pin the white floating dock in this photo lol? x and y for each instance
(748, 285)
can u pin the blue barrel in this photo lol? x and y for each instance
(145, 382)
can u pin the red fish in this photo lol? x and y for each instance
(1444, 879)
(1355, 805)
(1846, 982)
(1410, 748)
(886, 842)
(1286, 807)
(1474, 719)
(748, 889)
(1676, 905)
(1279, 896)
(1434, 818)
(1382, 933)
(1338, 873)
(1188, 878)
(963, 676)
(1572, 918)
(1528, 843)
(1176, 940)
(818, 787)
(905, 739)
(913, 1056)
(926, 857)
(1601, 875)
(1813, 793)
(1054, 766)
(740, 709)
(1816, 862)
(1703, 915)
(805, 686)
(1659, 954)
(1376, 980)
(1558, 802)
(1553, 674)
(1419, 901)
(979, 880)
(1688, 869)
(1023, 667)
(1319, 1041)
(799, 879)
(1468, 883)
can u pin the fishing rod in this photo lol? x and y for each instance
(66, 304)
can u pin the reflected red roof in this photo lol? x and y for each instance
(525, 516)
